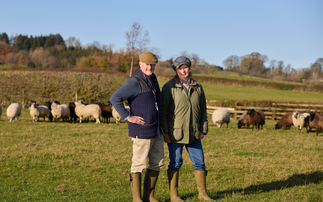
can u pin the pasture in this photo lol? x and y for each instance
(47, 161)
(238, 76)
(226, 92)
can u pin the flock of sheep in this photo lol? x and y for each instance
(220, 116)
(257, 118)
(73, 111)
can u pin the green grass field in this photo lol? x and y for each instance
(226, 92)
(237, 76)
(87, 162)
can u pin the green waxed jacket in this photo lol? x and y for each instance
(183, 115)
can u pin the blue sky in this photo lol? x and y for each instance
(287, 30)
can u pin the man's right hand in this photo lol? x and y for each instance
(136, 120)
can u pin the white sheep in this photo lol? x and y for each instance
(37, 111)
(117, 116)
(221, 116)
(88, 111)
(0, 111)
(13, 111)
(299, 120)
(60, 111)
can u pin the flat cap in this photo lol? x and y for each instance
(148, 58)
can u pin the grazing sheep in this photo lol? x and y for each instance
(106, 111)
(37, 111)
(300, 120)
(0, 111)
(60, 111)
(88, 111)
(117, 116)
(49, 105)
(256, 118)
(286, 121)
(315, 121)
(221, 116)
(13, 111)
(72, 112)
(243, 120)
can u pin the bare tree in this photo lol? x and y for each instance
(137, 40)
(288, 69)
(156, 52)
(231, 62)
(72, 41)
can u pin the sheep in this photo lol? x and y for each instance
(243, 120)
(299, 120)
(39, 111)
(60, 111)
(117, 116)
(221, 116)
(88, 111)
(256, 118)
(0, 111)
(106, 111)
(315, 121)
(13, 111)
(49, 105)
(286, 121)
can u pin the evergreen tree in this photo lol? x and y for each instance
(26, 44)
(4, 37)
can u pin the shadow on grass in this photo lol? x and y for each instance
(295, 180)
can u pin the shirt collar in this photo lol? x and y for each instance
(188, 81)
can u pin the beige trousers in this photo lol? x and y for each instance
(153, 149)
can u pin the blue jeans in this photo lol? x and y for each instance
(194, 150)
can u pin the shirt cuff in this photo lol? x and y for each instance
(127, 117)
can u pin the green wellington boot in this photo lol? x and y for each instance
(135, 181)
(173, 185)
(200, 176)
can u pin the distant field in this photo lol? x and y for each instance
(235, 75)
(226, 92)
(89, 162)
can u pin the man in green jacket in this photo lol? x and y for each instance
(184, 122)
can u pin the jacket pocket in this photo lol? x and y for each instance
(178, 134)
(196, 131)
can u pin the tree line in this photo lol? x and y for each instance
(254, 64)
(53, 51)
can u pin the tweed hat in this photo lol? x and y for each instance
(181, 60)
(148, 58)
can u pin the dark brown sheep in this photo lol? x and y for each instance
(286, 121)
(106, 111)
(315, 121)
(256, 118)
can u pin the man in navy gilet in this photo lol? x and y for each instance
(143, 95)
